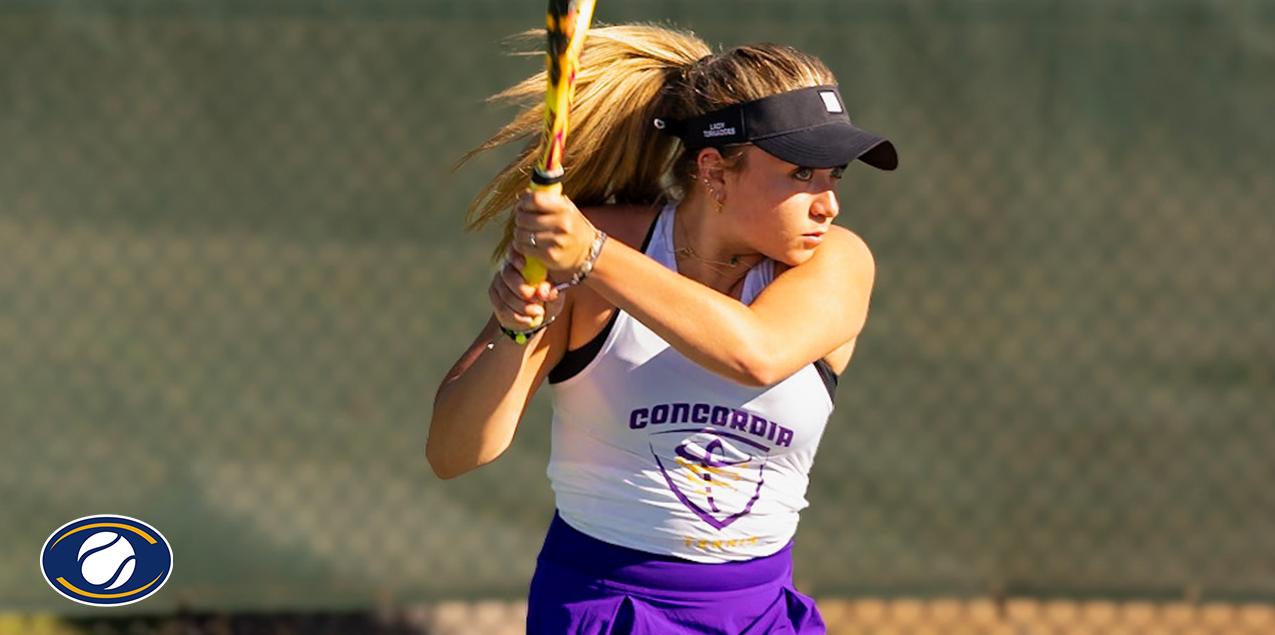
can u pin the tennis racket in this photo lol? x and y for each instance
(568, 23)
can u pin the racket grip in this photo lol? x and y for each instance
(534, 272)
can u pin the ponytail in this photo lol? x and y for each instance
(613, 153)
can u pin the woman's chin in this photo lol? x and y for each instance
(794, 257)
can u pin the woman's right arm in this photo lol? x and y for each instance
(484, 395)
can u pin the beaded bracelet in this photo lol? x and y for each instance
(521, 337)
(586, 268)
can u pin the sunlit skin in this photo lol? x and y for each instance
(769, 207)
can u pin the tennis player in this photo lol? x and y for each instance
(700, 307)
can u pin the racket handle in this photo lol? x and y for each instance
(534, 271)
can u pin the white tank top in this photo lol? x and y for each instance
(655, 453)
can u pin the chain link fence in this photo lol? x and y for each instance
(864, 616)
(233, 271)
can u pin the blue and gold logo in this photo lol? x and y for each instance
(106, 560)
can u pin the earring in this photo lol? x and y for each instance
(717, 200)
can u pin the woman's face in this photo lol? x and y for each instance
(782, 210)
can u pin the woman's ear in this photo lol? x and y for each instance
(711, 169)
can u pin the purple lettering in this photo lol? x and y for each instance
(638, 418)
(758, 426)
(719, 415)
(681, 412)
(785, 437)
(659, 414)
(699, 413)
(739, 420)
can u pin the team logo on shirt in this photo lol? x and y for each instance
(716, 465)
(713, 477)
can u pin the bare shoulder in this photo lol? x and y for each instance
(843, 250)
(626, 223)
(842, 259)
(846, 246)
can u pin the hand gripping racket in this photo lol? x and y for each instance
(568, 23)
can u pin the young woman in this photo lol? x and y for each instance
(700, 306)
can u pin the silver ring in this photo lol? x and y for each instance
(531, 238)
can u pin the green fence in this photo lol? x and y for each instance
(233, 271)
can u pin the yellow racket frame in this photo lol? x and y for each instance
(568, 23)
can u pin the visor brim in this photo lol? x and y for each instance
(831, 146)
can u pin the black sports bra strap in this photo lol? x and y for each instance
(575, 360)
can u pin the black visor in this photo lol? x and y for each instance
(808, 127)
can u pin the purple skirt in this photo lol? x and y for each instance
(583, 586)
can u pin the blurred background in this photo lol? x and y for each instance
(233, 271)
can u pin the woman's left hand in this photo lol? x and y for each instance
(549, 228)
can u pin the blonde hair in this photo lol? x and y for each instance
(629, 75)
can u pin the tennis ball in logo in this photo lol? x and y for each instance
(113, 560)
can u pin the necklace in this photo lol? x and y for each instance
(687, 251)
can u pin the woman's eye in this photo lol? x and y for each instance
(838, 172)
(803, 174)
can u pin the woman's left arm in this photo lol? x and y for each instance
(805, 313)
